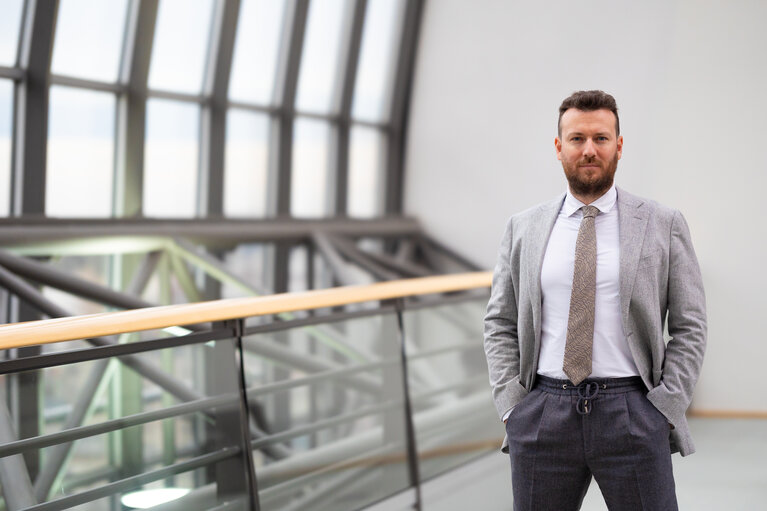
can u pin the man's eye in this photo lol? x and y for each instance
(576, 139)
(602, 139)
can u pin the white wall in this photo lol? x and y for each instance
(690, 78)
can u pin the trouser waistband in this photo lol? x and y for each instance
(605, 385)
(589, 389)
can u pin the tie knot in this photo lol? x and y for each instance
(589, 211)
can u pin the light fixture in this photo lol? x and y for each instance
(145, 499)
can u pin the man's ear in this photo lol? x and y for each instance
(620, 146)
(558, 147)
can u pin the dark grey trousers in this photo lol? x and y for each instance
(561, 435)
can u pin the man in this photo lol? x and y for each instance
(574, 331)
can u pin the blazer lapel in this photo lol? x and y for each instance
(538, 239)
(632, 221)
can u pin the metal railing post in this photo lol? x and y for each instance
(247, 451)
(412, 448)
(230, 427)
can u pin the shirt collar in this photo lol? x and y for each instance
(604, 204)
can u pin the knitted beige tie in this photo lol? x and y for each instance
(580, 323)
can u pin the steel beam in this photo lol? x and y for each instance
(452, 254)
(330, 254)
(434, 259)
(405, 250)
(403, 267)
(353, 253)
(210, 232)
(213, 266)
(49, 276)
(184, 278)
(143, 273)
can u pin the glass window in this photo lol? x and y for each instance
(89, 35)
(79, 177)
(375, 74)
(366, 189)
(245, 173)
(171, 159)
(10, 25)
(6, 121)
(180, 45)
(255, 52)
(309, 181)
(318, 76)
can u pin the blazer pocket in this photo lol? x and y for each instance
(654, 258)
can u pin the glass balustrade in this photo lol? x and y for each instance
(322, 411)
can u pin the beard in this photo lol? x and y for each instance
(592, 186)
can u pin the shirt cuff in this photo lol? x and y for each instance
(506, 415)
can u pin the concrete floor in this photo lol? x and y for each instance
(728, 472)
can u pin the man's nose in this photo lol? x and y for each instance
(589, 149)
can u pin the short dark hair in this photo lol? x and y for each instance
(588, 101)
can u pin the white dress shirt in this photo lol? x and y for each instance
(611, 356)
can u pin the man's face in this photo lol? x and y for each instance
(589, 151)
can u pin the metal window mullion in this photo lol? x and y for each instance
(178, 96)
(288, 80)
(395, 155)
(347, 95)
(81, 83)
(31, 123)
(251, 107)
(12, 73)
(282, 133)
(131, 118)
(213, 125)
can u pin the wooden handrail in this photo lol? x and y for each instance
(48, 331)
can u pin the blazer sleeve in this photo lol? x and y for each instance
(501, 334)
(686, 326)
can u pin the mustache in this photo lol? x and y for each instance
(589, 161)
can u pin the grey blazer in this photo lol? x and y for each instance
(659, 279)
